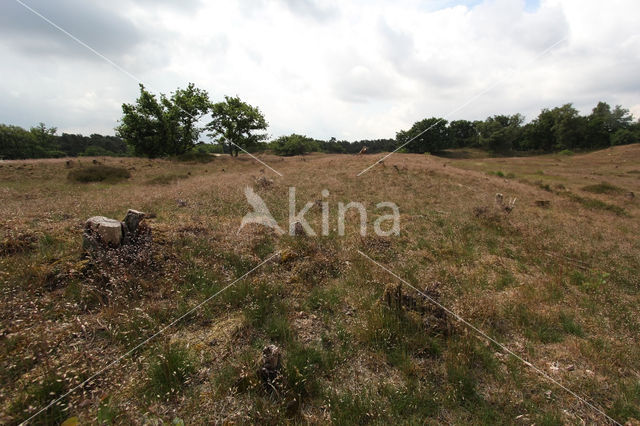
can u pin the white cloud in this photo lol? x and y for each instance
(360, 69)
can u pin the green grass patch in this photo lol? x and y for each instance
(170, 372)
(594, 204)
(604, 188)
(39, 395)
(538, 327)
(400, 335)
(570, 326)
(265, 309)
(99, 173)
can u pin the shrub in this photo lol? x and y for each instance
(99, 173)
(566, 152)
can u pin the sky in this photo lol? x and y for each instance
(359, 69)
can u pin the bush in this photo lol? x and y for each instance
(566, 152)
(99, 173)
(294, 145)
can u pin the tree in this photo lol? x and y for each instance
(235, 123)
(462, 133)
(433, 136)
(167, 126)
(45, 138)
(499, 133)
(294, 145)
(602, 123)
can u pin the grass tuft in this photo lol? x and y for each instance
(169, 372)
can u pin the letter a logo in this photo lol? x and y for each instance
(261, 213)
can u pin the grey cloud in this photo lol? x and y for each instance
(311, 9)
(102, 28)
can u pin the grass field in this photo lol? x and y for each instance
(556, 280)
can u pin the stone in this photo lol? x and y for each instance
(298, 229)
(132, 220)
(108, 231)
(101, 232)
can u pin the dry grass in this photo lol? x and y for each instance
(557, 285)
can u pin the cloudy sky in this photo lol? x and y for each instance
(350, 69)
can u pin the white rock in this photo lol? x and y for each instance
(109, 230)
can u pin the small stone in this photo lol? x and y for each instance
(181, 203)
(571, 367)
(271, 357)
(132, 220)
(108, 230)
(298, 229)
(547, 395)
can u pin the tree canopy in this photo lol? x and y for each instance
(165, 126)
(236, 124)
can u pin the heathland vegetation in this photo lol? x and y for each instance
(556, 279)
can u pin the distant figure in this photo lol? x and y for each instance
(363, 150)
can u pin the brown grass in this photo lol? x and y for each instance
(557, 285)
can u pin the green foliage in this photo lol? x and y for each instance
(431, 135)
(169, 372)
(566, 152)
(235, 123)
(293, 145)
(166, 126)
(463, 134)
(99, 173)
(499, 133)
(625, 137)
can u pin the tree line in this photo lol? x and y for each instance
(42, 142)
(170, 125)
